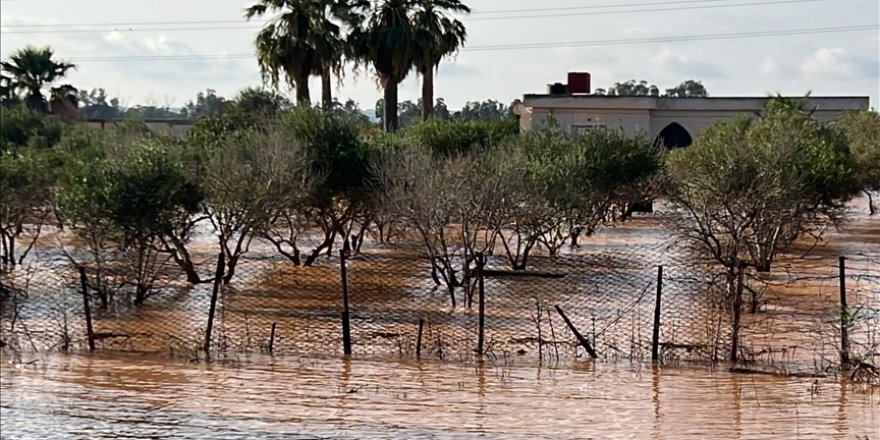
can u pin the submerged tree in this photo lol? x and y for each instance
(862, 130)
(122, 193)
(565, 185)
(747, 188)
(330, 193)
(448, 201)
(26, 179)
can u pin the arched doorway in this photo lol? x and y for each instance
(674, 136)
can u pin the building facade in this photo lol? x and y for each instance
(675, 120)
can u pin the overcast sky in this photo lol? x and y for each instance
(841, 63)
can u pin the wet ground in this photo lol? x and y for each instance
(135, 396)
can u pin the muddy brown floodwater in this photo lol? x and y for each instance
(134, 396)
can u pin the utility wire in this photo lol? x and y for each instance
(563, 8)
(529, 46)
(242, 26)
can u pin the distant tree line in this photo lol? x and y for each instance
(687, 89)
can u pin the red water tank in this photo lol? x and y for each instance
(578, 82)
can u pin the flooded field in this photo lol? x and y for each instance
(132, 396)
(607, 287)
(535, 381)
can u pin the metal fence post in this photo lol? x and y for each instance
(655, 341)
(419, 338)
(737, 313)
(346, 325)
(218, 278)
(272, 338)
(86, 307)
(844, 316)
(481, 336)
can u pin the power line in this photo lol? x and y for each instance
(510, 11)
(528, 46)
(628, 11)
(242, 26)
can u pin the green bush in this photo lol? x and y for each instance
(21, 126)
(333, 146)
(862, 131)
(457, 137)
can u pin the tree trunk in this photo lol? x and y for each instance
(326, 90)
(326, 244)
(10, 250)
(872, 209)
(390, 117)
(301, 83)
(141, 294)
(183, 259)
(427, 93)
(230, 269)
(35, 101)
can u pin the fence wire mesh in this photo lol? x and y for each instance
(791, 316)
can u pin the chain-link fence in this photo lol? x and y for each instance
(792, 316)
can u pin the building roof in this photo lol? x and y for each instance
(722, 103)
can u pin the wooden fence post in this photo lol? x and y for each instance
(87, 308)
(218, 279)
(346, 324)
(584, 341)
(844, 316)
(655, 341)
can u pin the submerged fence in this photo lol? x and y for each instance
(640, 304)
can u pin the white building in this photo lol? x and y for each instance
(676, 120)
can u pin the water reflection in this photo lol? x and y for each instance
(655, 398)
(146, 397)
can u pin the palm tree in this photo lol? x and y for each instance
(332, 46)
(304, 39)
(436, 36)
(31, 69)
(283, 46)
(387, 44)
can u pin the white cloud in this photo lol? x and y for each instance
(113, 36)
(668, 59)
(770, 68)
(830, 62)
(678, 64)
(159, 44)
(727, 67)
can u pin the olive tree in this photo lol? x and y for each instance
(562, 185)
(449, 202)
(121, 194)
(862, 130)
(247, 178)
(748, 187)
(332, 190)
(25, 179)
